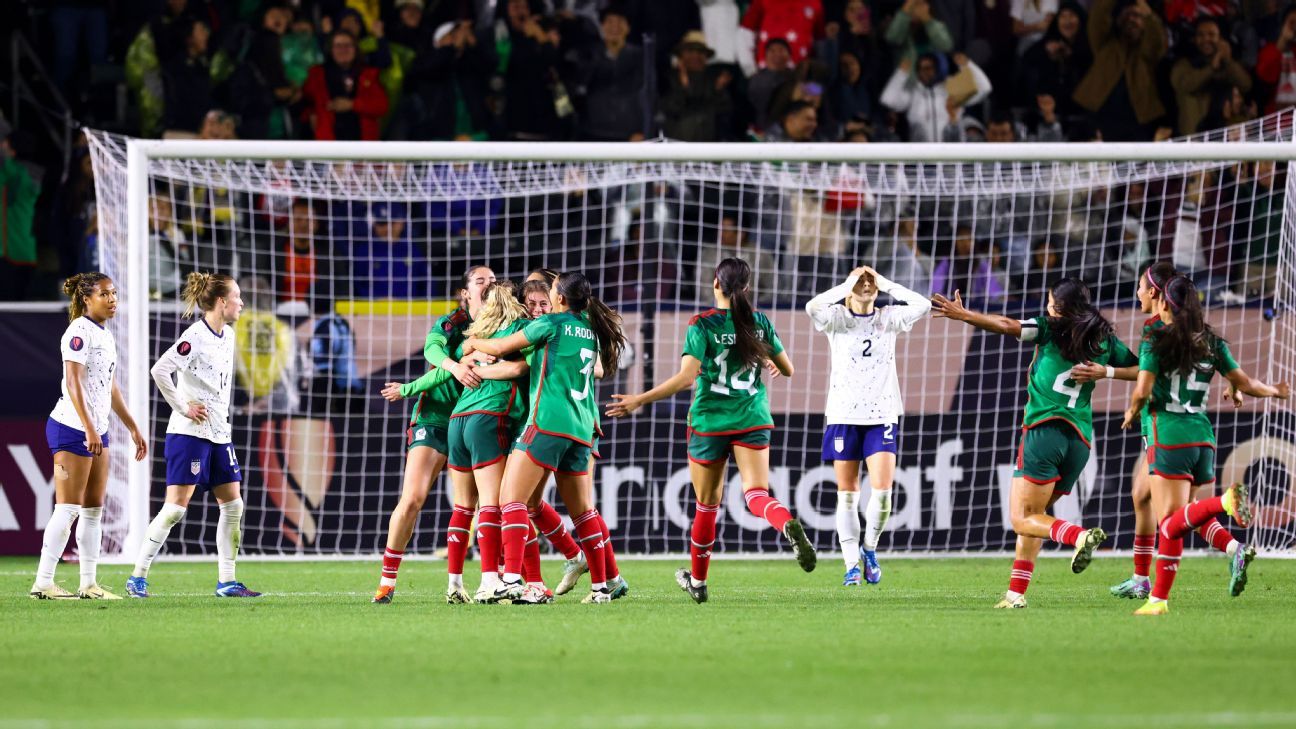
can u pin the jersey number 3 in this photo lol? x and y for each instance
(587, 357)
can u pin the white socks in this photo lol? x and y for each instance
(456, 582)
(57, 531)
(875, 517)
(228, 536)
(156, 536)
(848, 526)
(88, 537)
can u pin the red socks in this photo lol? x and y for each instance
(391, 563)
(609, 556)
(515, 528)
(1021, 576)
(1144, 548)
(488, 537)
(1167, 566)
(703, 539)
(531, 557)
(1182, 521)
(1217, 534)
(1065, 532)
(550, 525)
(589, 534)
(760, 503)
(457, 539)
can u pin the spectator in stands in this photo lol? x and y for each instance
(698, 102)
(72, 213)
(301, 50)
(156, 43)
(907, 264)
(858, 38)
(1120, 90)
(1276, 64)
(260, 89)
(1229, 107)
(1134, 252)
(172, 256)
(343, 97)
(914, 31)
(852, 96)
(732, 242)
(77, 25)
(1047, 266)
(305, 267)
(777, 72)
(391, 59)
(1055, 65)
(187, 79)
(445, 85)
(614, 85)
(217, 124)
(524, 53)
(798, 124)
(924, 99)
(968, 270)
(1031, 18)
(798, 22)
(1259, 221)
(19, 189)
(388, 265)
(412, 24)
(1195, 78)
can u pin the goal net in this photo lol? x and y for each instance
(347, 253)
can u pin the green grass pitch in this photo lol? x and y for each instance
(774, 647)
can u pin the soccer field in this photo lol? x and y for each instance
(774, 647)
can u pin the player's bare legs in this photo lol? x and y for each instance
(753, 468)
(1028, 506)
(422, 466)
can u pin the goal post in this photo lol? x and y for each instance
(392, 224)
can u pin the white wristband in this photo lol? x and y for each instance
(1111, 372)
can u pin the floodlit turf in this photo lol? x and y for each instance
(774, 647)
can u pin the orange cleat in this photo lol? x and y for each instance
(384, 595)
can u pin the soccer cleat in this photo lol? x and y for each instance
(484, 593)
(534, 595)
(1159, 607)
(238, 589)
(801, 547)
(1135, 588)
(620, 588)
(685, 581)
(1238, 568)
(95, 592)
(50, 592)
(506, 593)
(872, 572)
(1011, 602)
(572, 571)
(458, 596)
(1237, 505)
(384, 595)
(597, 596)
(137, 587)
(1085, 547)
(854, 577)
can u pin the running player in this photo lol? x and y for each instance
(1176, 364)
(724, 351)
(1058, 423)
(77, 432)
(565, 345)
(864, 404)
(199, 454)
(426, 447)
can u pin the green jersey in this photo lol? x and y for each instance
(496, 397)
(437, 389)
(1145, 417)
(1051, 394)
(563, 401)
(728, 397)
(1178, 403)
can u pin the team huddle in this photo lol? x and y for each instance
(509, 402)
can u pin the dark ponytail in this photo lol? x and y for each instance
(605, 322)
(79, 287)
(1158, 275)
(1079, 330)
(1188, 340)
(735, 282)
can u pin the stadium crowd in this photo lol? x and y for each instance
(694, 70)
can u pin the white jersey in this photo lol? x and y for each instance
(204, 362)
(91, 345)
(864, 388)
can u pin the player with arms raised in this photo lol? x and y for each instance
(199, 454)
(77, 433)
(1176, 364)
(864, 404)
(724, 351)
(1057, 427)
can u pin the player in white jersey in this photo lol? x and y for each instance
(199, 454)
(864, 404)
(77, 432)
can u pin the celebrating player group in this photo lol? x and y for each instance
(509, 402)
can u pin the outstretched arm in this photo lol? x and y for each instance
(954, 309)
(1248, 385)
(623, 405)
(497, 347)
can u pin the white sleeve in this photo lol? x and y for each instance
(902, 318)
(1029, 330)
(75, 346)
(820, 308)
(983, 85)
(895, 95)
(162, 370)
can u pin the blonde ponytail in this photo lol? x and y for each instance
(202, 290)
(500, 309)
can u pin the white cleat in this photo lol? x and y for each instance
(458, 596)
(50, 592)
(597, 597)
(95, 592)
(572, 571)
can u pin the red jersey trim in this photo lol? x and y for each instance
(1038, 482)
(1156, 440)
(730, 432)
(749, 446)
(1068, 422)
(1172, 477)
(708, 313)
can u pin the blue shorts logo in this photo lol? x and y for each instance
(839, 444)
(195, 467)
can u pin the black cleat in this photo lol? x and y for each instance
(801, 547)
(685, 581)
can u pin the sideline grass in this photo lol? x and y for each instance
(774, 647)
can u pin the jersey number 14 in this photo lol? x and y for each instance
(744, 380)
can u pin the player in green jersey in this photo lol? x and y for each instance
(1057, 426)
(426, 447)
(724, 352)
(1176, 364)
(565, 346)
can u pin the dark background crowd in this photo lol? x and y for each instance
(850, 71)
